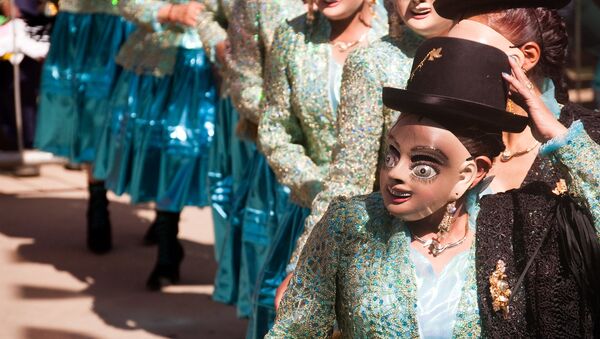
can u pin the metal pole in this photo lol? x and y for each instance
(578, 15)
(17, 84)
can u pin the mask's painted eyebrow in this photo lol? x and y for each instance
(392, 141)
(432, 152)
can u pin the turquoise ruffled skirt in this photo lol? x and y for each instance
(274, 271)
(258, 205)
(77, 79)
(156, 139)
(228, 160)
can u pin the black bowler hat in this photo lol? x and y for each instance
(457, 9)
(457, 81)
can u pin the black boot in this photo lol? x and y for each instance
(170, 251)
(150, 237)
(99, 238)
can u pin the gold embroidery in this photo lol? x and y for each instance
(435, 53)
(510, 106)
(561, 187)
(499, 289)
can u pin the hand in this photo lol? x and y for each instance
(222, 50)
(281, 290)
(185, 14)
(8, 10)
(544, 125)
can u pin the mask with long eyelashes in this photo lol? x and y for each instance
(457, 191)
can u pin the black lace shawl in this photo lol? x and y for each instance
(512, 226)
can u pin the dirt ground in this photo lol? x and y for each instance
(51, 287)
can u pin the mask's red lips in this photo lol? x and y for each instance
(420, 12)
(399, 196)
(331, 3)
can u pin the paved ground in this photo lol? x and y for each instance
(51, 287)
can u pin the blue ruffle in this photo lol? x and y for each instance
(273, 271)
(228, 158)
(156, 141)
(258, 205)
(77, 78)
(554, 144)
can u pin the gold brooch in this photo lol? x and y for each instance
(435, 53)
(499, 289)
(561, 187)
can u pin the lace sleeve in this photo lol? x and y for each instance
(578, 158)
(280, 134)
(308, 306)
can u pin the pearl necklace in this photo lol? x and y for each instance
(506, 155)
(434, 245)
(345, 46)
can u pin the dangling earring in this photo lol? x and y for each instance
(447, 221)
(433, 244)
(371, 7)
(310, 15)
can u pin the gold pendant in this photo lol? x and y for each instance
(499, 289)
(561, 187)
(436, 248)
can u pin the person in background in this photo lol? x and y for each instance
(77, 78)
(297, 130)
(229, 154)
(32, 21)
(259, 200)
(155, 141)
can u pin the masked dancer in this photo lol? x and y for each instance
(425, 256)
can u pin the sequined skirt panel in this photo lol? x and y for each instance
(228, 159)
(273, 271)
(256, 211)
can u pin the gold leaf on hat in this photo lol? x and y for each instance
(432, 55)
(435, 53)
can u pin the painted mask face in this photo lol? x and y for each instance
(478, 32)
(424, 169)
(339, 9)
(421, 17)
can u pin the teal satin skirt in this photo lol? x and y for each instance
(228, 158)
(156, 139)
(77, 79)
(273, 271)
(258, 205)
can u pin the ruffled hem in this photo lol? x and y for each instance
(155, 143)
(76, 83)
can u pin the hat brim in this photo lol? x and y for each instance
(456, 10)
(446, 109)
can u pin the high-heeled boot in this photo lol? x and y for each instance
(99, 235)
(150, 237)
(170, 251)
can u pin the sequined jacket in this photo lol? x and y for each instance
(362, 121)
(251, 33)
(152, 47)
(297, 131)
(88, 6)
(356, 268)
(212, 25)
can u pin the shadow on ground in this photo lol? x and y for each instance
(116, 280)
